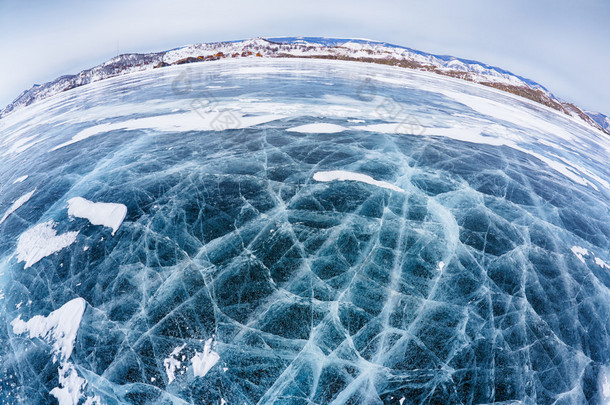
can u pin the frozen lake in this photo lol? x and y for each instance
(299, 232)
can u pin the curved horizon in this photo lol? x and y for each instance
(552, 43)
(467, 69)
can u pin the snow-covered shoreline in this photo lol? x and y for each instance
(318, 48)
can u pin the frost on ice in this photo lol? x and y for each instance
(98, 213)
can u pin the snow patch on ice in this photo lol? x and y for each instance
(87, 133)
(494, 134)
(171, 363)
(203, 362)
(70, 385)
(59, 328)
(201, 119)
(343, 175)
(580, 252)
(604, 385)
(509, 113)
(17, 204)
(318, 128)
(407, 128)
(567, 169)
(93, 400)
(42, 241)
(23, 144)
(20, 179)
(98, 213)
(601, 263)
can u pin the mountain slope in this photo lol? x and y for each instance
(601, 119)
(311, 47)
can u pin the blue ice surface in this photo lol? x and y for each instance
(312, 292)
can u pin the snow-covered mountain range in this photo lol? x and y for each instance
(314, 47)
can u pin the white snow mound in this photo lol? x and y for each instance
(98, 213)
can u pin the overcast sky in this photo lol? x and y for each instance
(564, 45)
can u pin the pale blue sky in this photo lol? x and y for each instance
(563, 45)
